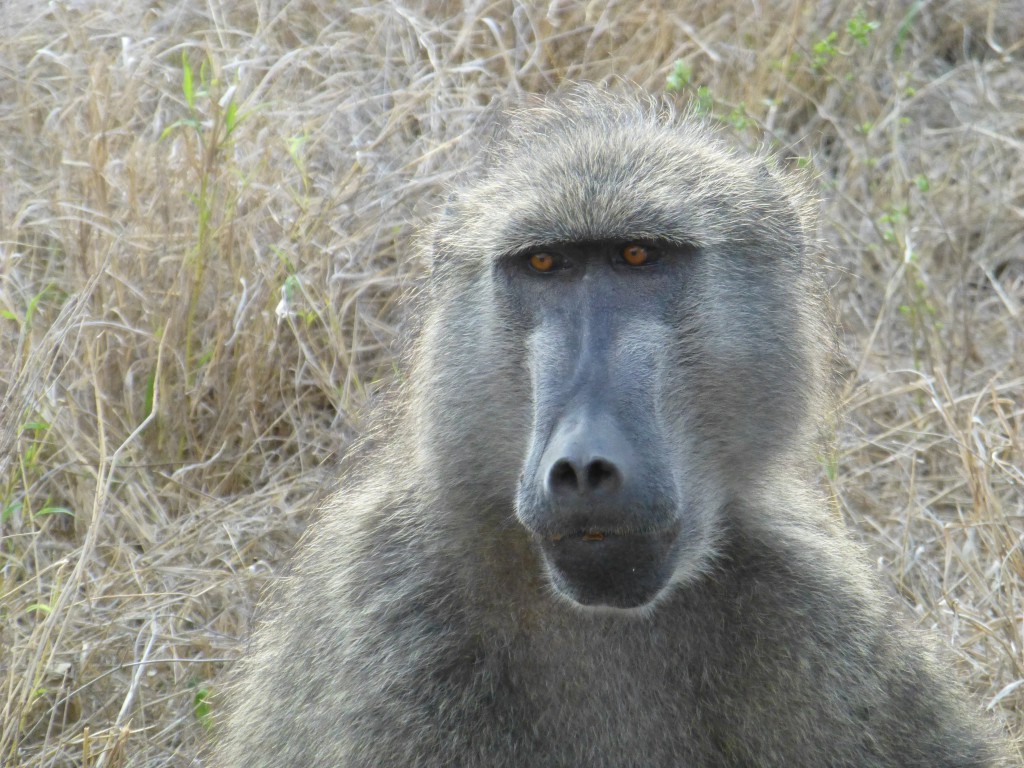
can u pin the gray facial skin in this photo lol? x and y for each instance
(598, 488)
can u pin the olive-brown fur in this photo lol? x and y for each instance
(418, 625)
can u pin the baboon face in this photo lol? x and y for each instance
(597, 489)
(637, 350)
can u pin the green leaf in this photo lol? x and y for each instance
(54, 511)
(33, 304)
(859, 28)
(231, 117)
(183, 123)
(291, 284)
(904, 30)
(201, 708)
(186, 82)
(680, 76)
(705, 101)
(10, 510)
(295, 144)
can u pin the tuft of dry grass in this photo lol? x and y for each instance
(205, 225)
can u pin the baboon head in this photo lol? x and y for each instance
(623, 335)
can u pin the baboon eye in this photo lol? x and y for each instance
(635, 255)
(544, 262)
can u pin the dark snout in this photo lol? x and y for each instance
(596, 475)
(601, 511)
(597, 491)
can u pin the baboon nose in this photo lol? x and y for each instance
(595, 477)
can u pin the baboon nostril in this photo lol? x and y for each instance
(599, 476)
(602, 475)
(563, 477)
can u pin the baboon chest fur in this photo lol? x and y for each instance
(584, 533)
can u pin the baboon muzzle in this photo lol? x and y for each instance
(597, 491)
(604, 524)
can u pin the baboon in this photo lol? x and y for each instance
(585, 531)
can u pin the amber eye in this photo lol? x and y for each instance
(542, 262)
(635, 255)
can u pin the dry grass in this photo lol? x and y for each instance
(199, 291)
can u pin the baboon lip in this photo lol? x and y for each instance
(623, 569)
(582, 535)
(595, 535)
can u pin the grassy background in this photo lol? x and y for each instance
(205, 221)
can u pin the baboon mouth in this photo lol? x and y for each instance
(669, 534)
(610, 568)
(582, 535)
